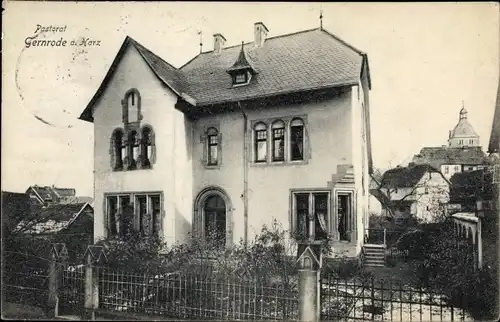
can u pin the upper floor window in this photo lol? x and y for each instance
(471, 142)
(297, 139)
(461, 142)
(278, 131)
(117, 149)
(147, 147)
(446, 169)
(133, 150)
(131, 106)
(260, 130)
(457, 168)
(212, 146)
(241, 78)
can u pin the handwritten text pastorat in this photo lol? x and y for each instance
(56, 38)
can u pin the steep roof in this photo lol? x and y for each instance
(494, 145)
(52, 193)
(51, 219)
(306, 60)
(302, 61)
(405, 177)
(437, 156)
(14, 206)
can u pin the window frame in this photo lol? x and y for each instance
(278, 125)
(270, 142)
(116, 149)
(157, 228)
(293, 219)
(303, 139)
(257, 140)
(126, 109)
(211, 130)
(212, 133)
(131, 145)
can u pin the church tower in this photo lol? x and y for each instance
(463, 135)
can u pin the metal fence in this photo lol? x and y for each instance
(190, 297)
(71, 290)
(370, 299)
(24, 279)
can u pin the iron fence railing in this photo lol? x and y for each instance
(178, 296)
(370, 299)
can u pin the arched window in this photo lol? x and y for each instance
(147, 147)
(117, 150)
(212, 146)
(297, 139)
(278, 135)
(260, 130)
(133, 150)
(131, 106)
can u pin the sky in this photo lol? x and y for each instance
(425, 59)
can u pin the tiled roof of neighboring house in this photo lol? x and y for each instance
(494, 146)
(75, 200)
(403, 177)
(50, 219)
(64, 192)
(302, 61)
(437, 156)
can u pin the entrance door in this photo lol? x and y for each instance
(215, 221)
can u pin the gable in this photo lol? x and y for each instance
(164, 73)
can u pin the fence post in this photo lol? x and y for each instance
(58, 254)
(94, 255)
(309, 262)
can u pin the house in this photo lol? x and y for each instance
(69, 223)
(416, 191)
(463, 152)
(277, 128)
(46, 195)
(374, 203)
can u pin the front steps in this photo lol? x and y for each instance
(374, 255)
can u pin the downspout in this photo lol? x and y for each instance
(245, 175)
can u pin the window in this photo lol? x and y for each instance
(345, 216)
(446, 169)
(457, 168)
(278, 131)
(117, 149)
(215, 221)
(131, 106)
(426, 190)
(133, 212)
(212, 145)
(297, 139)
(461, 142)
(133, 150)
(147, 147)
(240, 78)
(310, 215)
(471, 142)
(260, 130)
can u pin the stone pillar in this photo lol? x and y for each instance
(58, 255)
(94, 256)
(309, 265)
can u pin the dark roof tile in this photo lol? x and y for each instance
(437, 156)
(403, 177)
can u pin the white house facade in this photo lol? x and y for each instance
(275, 129)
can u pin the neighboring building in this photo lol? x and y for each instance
(47, 195)
(374, 203)
(462, 154)
(463, 135)
(273, 129)
(416, 191)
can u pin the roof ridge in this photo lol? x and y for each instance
(360, 52)
(267, 39)
(136, 43)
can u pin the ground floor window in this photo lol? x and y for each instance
(345, 215)
(215, 221)
(310, 214)
(140, 212)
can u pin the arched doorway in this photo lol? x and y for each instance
(212, 217)
(214, 212)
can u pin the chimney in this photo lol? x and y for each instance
(260, 33)
(219, 42)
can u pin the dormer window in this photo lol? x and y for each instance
(241, 72)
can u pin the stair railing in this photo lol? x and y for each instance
(385, 238)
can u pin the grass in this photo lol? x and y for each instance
(15, 311)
